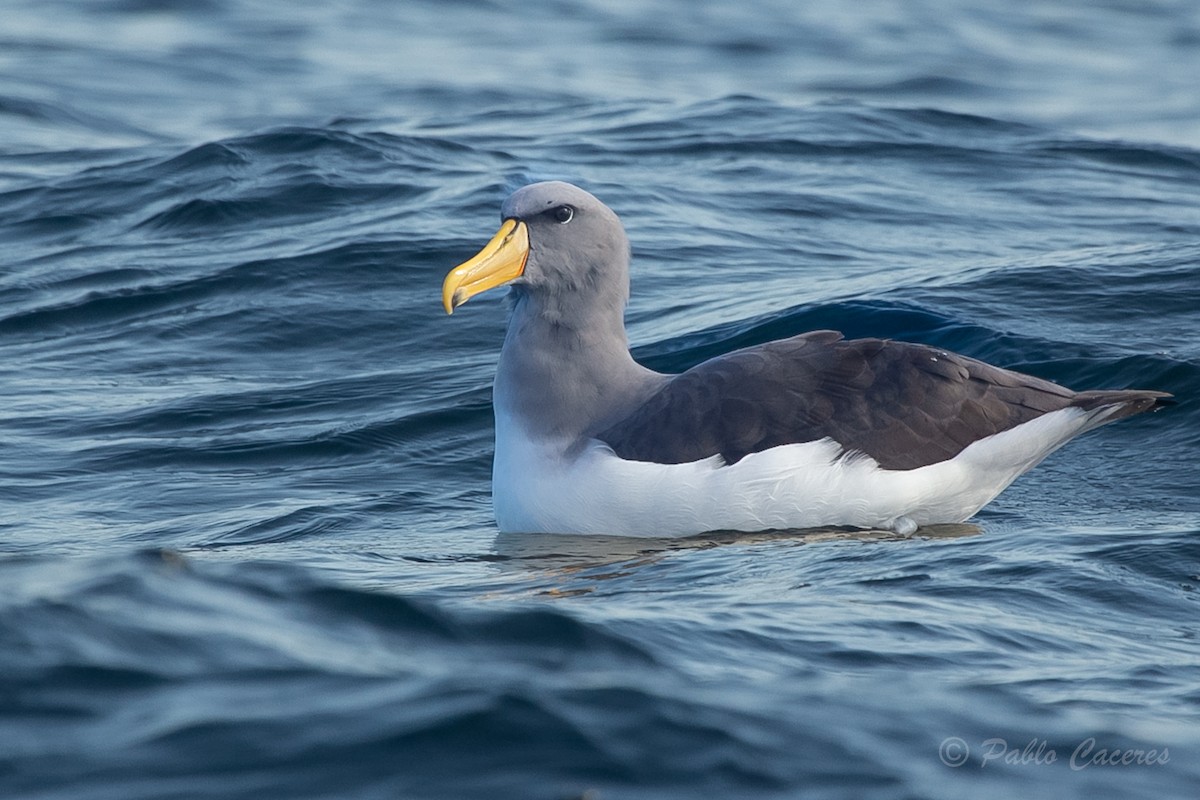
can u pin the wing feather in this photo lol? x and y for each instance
(905, 405)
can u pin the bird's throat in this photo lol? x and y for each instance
(567, 378)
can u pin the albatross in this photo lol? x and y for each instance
(805, 432)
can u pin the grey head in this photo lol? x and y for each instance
(565, 367)
(578, 265)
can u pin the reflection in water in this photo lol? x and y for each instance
(545, 555)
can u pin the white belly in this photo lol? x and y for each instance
(541, 487)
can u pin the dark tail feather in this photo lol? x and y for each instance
(1129, 401)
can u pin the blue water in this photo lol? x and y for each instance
(246, 546)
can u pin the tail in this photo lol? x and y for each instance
(997, 460)
(1111, 405)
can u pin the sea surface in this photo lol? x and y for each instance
(246, 542)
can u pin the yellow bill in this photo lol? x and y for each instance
(500, 261)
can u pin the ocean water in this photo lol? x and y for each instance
(246, 546)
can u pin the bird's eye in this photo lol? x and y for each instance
(564, 214)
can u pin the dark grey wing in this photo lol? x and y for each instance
(905, 405)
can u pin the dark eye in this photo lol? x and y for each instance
(564, 214)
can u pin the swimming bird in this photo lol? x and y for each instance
(810, 431)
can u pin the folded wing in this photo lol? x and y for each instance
(905, 405)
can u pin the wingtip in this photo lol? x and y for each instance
(1124, 402)
(1163, 400)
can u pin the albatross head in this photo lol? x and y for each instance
(559, 245)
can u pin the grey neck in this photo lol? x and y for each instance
(568, 376)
